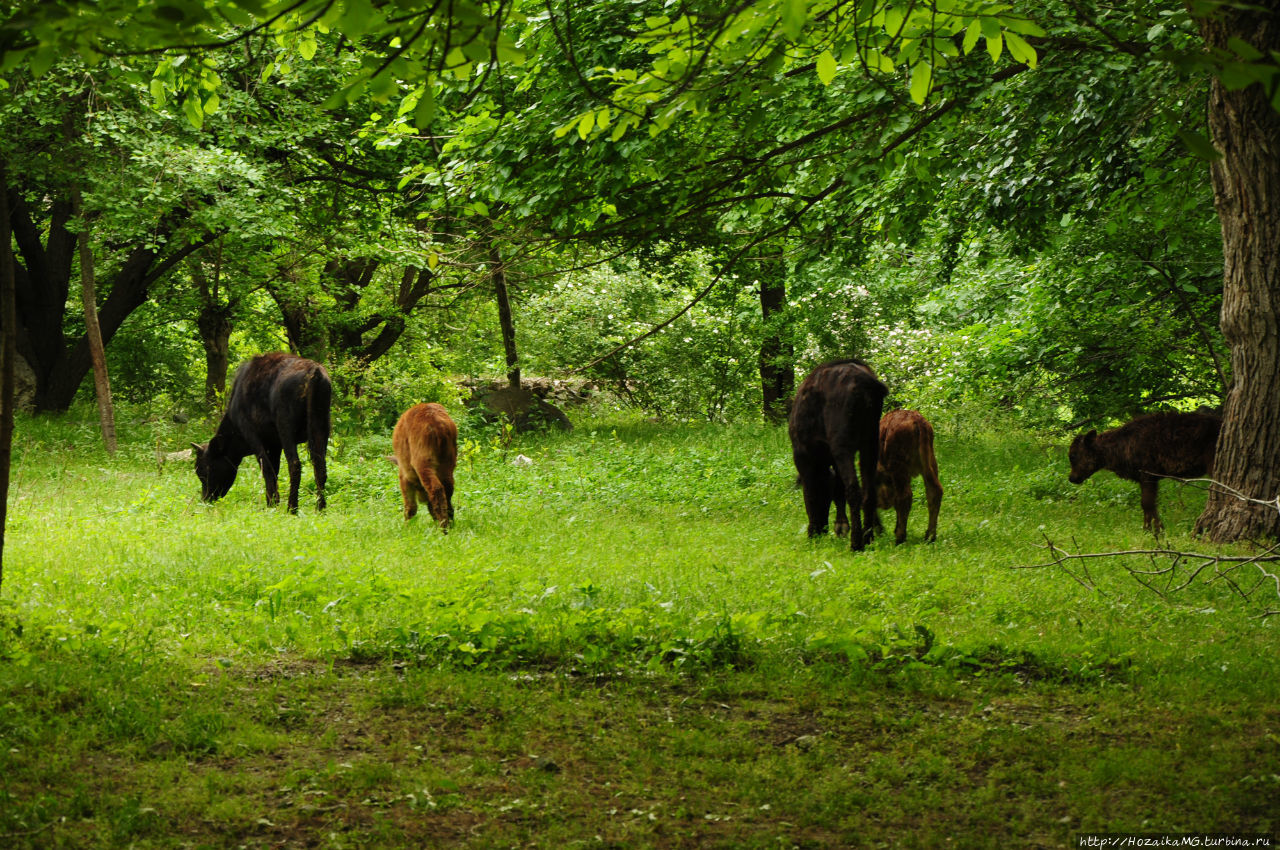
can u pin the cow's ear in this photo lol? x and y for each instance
(392, 458)
(1090, 437)
(198, 449)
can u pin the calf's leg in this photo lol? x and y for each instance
(932, 494)
(1150, 488)
(902, 498)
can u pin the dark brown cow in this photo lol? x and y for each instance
(425, 442)
(906, 451)
(277, 401)
(1178, 445)
(835, 417)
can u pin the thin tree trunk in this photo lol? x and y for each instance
(504, 317)
(1246, 188)
(8, 354)
(93, 333)
(777, 355)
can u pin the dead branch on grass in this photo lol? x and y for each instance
(1168, 571)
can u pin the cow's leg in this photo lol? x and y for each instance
(815, 480)
(848, 474)
(837, 496)
(902, 498)
(269, 463)
(1150, 488)
(316, 445)
(932, 496)
(295, 474)
(409, 492)
(437, 501)
(447, 480)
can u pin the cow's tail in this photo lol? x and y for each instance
(319, 399)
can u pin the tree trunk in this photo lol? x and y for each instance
(499, 273)
(93, 332)
(41, 286)
(8, 353)
(1246, 187)
(777, 355)
(214, 323)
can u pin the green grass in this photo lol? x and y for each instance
(629, 642)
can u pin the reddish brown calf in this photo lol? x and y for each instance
(1160, 445)
(906, 451)
(425, 442)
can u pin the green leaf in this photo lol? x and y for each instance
(586, 124)
(795, 13)
(921, 81)
(357, 19)
(425, 112)
(157, 91)
(1243, 49)
(826, 67)
(307, 46)
(191, 108)
(994, 46)
(211, 105)
(1020, 50)
(42, 59)
(971, 34)
(1198, 144)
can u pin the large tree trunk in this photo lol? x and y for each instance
(41, 284)
(8, 354)
(93, 331)
(777, 355)
(1246, 188)
(214, 323)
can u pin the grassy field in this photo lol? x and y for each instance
(626, 642)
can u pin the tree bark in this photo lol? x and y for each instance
(505, 320)
(93, 332)
(8, 353)
(777, 355)
(1246, 187)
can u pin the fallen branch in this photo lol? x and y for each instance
(1173, 570)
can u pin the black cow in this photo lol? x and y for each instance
(835, 416)
(1180, 445)
(277, 401)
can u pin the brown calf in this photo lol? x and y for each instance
(1178, 445)
(906, 451)
(425, 442)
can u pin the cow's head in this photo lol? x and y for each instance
(1084, 457)
(215, 470)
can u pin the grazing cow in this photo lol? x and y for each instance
(1180, 445)
(425, 442)
(906, 451)
(277, 401)
(835, 416)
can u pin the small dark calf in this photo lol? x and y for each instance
(835, 419)
(277, 401)
(906, 451)
(425, 442)
(1178, 445)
